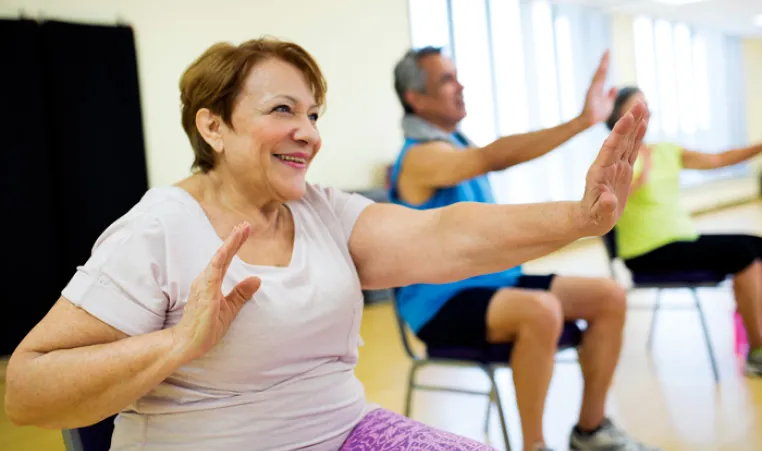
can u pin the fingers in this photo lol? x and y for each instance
(624, 140)
(642, 116)
(611, 152)
(230, 247)
(613, 93)
(603, 67)
(642, 128)
(244, 291)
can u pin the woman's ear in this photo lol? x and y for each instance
(209, 126)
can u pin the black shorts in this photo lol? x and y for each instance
(462, 321)
(721, 254)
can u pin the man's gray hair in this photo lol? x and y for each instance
(408, 75)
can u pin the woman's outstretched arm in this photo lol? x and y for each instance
(701, 160)
(396, 246)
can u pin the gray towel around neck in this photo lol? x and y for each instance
(414, 127)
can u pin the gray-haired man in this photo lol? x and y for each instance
(439, 166)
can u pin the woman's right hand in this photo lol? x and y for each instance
(208, 312)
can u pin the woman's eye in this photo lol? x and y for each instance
(282, 109)
(314, 117)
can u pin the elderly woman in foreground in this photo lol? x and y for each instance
(223, 312)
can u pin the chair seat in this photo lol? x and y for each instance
(96, 437)
(571, 337)
(678, 278)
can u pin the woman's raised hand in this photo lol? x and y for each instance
(208, 312)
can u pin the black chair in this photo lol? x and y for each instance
(488, 359)
(96, 437)
(688, 280)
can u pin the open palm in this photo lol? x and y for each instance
(599, 103)
(609, 177)
(208, 312)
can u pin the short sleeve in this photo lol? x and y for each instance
(346, 206)
(677, 155)
(121, 283)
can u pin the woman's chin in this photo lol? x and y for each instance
(292, 189)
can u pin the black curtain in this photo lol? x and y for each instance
(81, 162)
(30, 253)
(96, 132)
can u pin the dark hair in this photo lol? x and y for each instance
(622, 97)
(408, 75)
(216, 79)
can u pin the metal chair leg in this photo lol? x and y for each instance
(503, 423)
(489, 411)
(649, 342)
(707, 337)
(410, 383)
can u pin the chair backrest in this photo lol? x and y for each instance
(609, 242)
(96, 437)
(402, 326)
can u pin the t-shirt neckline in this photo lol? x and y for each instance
(209, 227)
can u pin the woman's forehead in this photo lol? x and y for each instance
(276, 78)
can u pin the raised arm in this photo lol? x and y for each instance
(395, 246)
(701, 160)
(439, 164)
(73, 370)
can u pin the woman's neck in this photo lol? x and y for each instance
(261, 211)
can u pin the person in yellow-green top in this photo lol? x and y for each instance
(656, 234)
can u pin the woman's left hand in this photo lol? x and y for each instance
(610, 176)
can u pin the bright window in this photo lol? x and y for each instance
(645, 68)
(431, 23)
(472, 55)
(692, 104)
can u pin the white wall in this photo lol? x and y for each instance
(356, 43)
(622, 50)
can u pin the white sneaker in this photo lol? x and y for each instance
(607, 438)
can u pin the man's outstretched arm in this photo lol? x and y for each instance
(439, 164)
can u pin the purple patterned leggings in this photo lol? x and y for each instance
(385, 430)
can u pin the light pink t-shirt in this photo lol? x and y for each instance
(282, 378)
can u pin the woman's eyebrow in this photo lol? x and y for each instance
(293, 99)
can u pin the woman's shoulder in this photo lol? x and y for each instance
(159, 213)
(333, 207)
(666, 146)
(336, 200)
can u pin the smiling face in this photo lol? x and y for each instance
(272, 137)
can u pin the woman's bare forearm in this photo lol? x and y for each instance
(484, 238)
(735, 156)
(516, 149)
(76, 387)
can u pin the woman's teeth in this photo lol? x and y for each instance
(290, 158)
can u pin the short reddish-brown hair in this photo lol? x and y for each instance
(215, 80)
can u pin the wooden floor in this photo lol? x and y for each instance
(667, 398)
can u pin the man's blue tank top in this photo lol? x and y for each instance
(419, 303)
